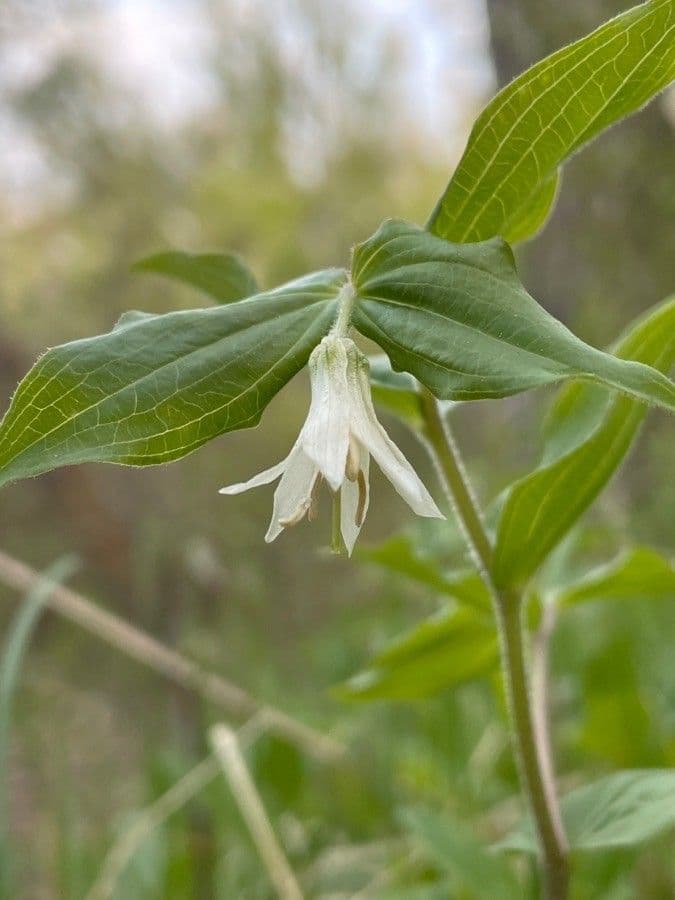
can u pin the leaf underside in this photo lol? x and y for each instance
(157, 387)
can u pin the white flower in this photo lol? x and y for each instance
(335, 443)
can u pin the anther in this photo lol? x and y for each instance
(353, 467)
(313, 510)
(297, 516)
(361, 505)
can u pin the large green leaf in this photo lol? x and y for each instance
(545, 115)
(587, 436)
(457, 317)
(157, 387)
(619, 810)
(640, 574)
(223, 276)
(450, 648)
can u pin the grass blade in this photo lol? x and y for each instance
(18, 638)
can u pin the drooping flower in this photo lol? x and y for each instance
(335, 444)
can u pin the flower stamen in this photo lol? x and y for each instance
(363, 497)
(313, 510)
(353, 464)
(296, 517)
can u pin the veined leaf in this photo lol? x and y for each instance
(157, 387)
(539, 120)
(529, 219)
(450, 648)
(398, 555)
(457, 318)
(640, 574)
(223, 276)
(587, 437)
(395, 392)
(619, 810)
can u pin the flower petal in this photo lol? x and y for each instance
(265, 477)
(325, 434)
(366, 427)
(293, 495)
(355, 496)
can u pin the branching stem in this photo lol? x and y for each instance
(531, 748)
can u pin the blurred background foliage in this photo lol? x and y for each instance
(286, 131)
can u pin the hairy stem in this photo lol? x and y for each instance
(451, 472)
(345, 300)
(536, 771)
(531, 747)
(539, 679)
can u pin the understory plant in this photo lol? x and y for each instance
(454, 324)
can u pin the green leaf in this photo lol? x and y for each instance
(539, 120)
(223, 276)
(132, 317)
(455, 849)
(617, 725)
(587, 437)
(399, 555)
(156, 388)
(457, 318)
(619, 810)
(396, 392)
(450, 648)
(530, 219)
(639, 574)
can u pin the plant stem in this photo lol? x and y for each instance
(532, 753)
(451, 472)
(534, 771)
(228, 753)
(539, 679)
(345, 301)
